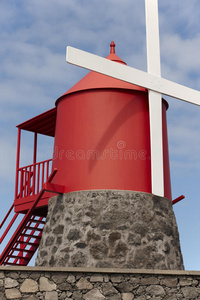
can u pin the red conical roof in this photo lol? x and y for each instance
(94, 80)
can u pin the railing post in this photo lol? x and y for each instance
(34, 177)
(29, 181)
(35, 149)
(47, 173)
(21, 183)
(38, 179)
(34, 162)
(43, 164)
(17, 163)
(26, 181)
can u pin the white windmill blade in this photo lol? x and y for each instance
(152, 37)
(155, 83)
(155, 98)
(155, 117)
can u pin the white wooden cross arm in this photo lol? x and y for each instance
(125, 73)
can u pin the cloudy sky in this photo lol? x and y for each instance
(33, 74)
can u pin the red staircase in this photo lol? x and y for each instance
(25, 240)
(33, 188)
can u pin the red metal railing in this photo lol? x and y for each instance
(10, 224)
(26, 238)
(30, 179)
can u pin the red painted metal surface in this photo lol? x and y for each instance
(167, 178)
(35, 148)
(29, 182)
(32, 177)
(43, 123)
(17, 162)
(97, 81)
(25, 240)
(102, 137)
(29, 179)
(9, 227)
(178, 199)
(7, 215)
(19, 251)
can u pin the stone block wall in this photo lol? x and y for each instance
(34, 283)
(110, 229)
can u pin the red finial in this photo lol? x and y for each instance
(112, 47)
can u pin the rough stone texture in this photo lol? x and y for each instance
(127, 296)
(155, 290)
(29, 286)
(106, 229)
(83, 284)
(190, 292)
(99, 284)
(47, 285)
(12, 294)
(11, 283)
(170, 282)
(94, 294)
(96, 278)
(51, 295)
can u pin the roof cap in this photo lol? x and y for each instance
(113, 56)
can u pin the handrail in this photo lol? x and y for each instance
(10, 224)
(7, 215)
(40, 162)
(24, 221)
(8, 228)
(30, 178)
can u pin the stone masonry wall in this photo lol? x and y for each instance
(39, 283)
(110, 229)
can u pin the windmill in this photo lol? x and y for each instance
(87, 166)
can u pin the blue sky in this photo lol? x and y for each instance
(33, 74)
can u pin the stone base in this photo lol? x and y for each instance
(110, 229)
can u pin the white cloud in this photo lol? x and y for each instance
(181, 59)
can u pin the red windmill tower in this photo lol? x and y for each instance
(101, 130)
